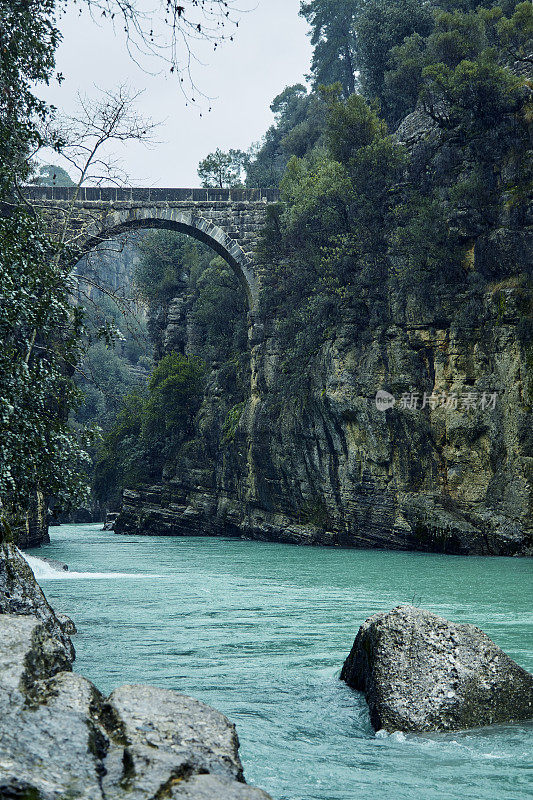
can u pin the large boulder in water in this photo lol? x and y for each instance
(420, 672)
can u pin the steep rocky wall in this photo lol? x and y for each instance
(32, 529)
(446, 468)
(338, 470)
(110, 265)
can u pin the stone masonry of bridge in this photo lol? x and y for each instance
(228, 220)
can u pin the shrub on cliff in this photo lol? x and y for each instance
(166, 258)
(328, 236)
(149, 428)
(355, 212)
(175, 390)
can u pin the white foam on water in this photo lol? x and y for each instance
(45, 571)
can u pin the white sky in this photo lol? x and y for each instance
(270, 51)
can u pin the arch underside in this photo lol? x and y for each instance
(199, 229)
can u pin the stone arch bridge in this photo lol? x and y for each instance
(228, 220)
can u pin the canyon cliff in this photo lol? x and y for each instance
(446, 467)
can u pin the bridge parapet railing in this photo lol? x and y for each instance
(112, 194)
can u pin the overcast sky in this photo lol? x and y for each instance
(270, 51)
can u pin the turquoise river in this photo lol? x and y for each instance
(260, 631)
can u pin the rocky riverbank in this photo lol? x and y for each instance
(59, 736)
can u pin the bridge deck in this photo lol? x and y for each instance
(112, 194)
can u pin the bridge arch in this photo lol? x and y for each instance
(200, 228)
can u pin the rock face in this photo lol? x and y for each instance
(420, 672)
(110, 520)
(445, 468)
(59, 737)
(33, 530)
(340, 471)
(21, 594)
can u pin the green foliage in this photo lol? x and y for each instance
(388, 45)
(335, 199)
(28, 38)
(516, 33)
(52, 175)
(298, 129)
(104, 379)
(477, 95)
(166, 260)
(317, 194)
(174, 391)
(173, 264)
(231, 422)
(224, 170)
(420, 240)
(116, 345)
(287, 105)
(355, 211)
(219, 312)
(40, 339)
(39, 329)
(213, 327)
(149, 428)
(350, 125)
(461, 69)
(328, 235)
(381, 26)
(403, 80)
(121, 460)
(356, 214)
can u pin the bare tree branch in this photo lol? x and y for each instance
(109, 118)
(168, 30)
(79, 140)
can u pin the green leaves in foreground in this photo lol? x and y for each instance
(40, 333)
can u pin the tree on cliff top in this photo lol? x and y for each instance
(52, 175)
(333, 38)
(298, 128)
(223, 170)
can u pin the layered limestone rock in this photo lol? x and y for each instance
(452, 476)
(446, 467)
(60, 737)
(420, 672)
(32, 529)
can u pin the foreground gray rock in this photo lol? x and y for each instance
(420, 672)
(60, 737)
(21, 594)
(110, 519)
